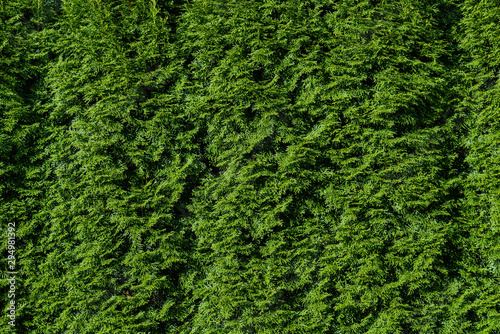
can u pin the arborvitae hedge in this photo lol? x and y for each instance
(124, 164)
(480, 39)
(334, 209)
(24, 55)
(251, 166)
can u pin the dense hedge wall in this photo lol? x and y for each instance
(244, 166)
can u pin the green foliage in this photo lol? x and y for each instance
(23, 58)
(337, 150)
(251, 166)
(480, 38)
(124, 164)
